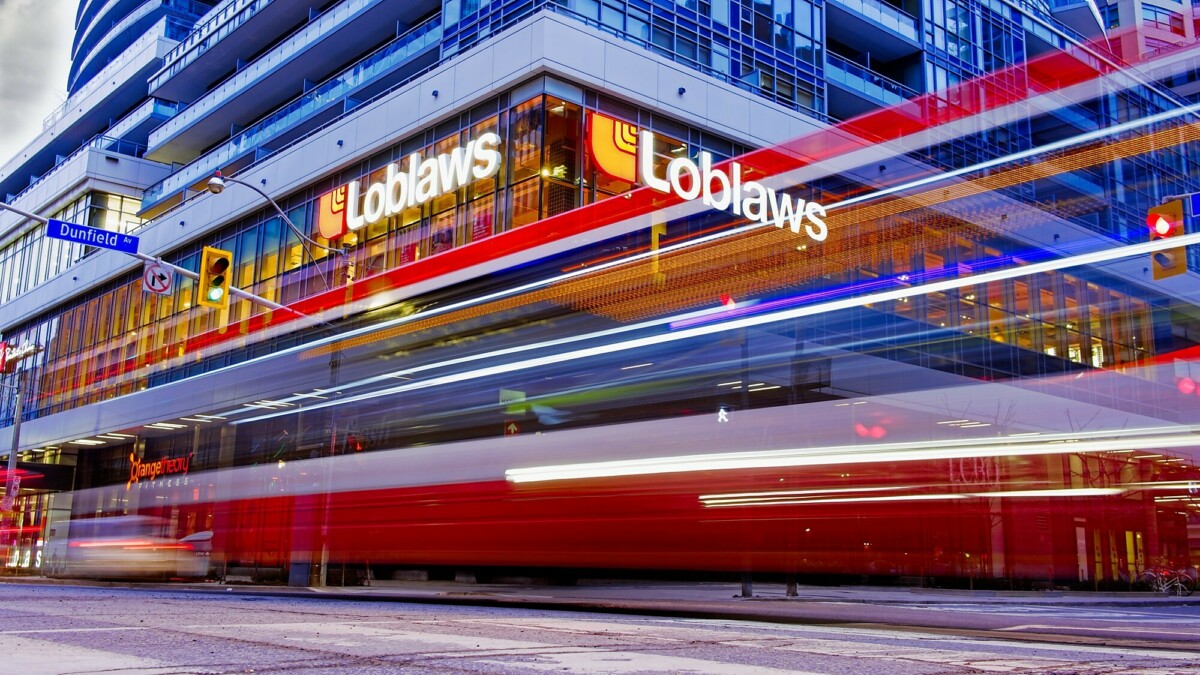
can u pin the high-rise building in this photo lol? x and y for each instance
(757, 256)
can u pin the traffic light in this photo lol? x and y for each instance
(1166, 222)
(214, 278)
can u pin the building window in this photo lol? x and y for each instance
(1162, 19)
(1110, 16)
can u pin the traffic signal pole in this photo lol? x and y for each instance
(233, 290)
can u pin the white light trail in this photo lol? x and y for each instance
(848, 454)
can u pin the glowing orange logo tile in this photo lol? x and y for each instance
(614, 146)
(331, 213)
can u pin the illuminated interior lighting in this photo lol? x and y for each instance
(113, 437)
(166, 425)
(639, 365)
(1146, 456)
(1105, 255)
(211, 417)
(728, 384)
(1025, 270)
(1005, 114)
(195, 419)
(954, 422)
(774, 386)
(86, 441)
(120, 435)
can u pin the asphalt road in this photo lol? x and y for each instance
(87, 629)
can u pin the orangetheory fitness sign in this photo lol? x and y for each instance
(621, 152)
(139, 469)
(352, 207)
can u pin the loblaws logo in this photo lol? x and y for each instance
(139, 469)
(331, 213)
(614, 146)
(351, 207)
(615, 153)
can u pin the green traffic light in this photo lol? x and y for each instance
(215, 294)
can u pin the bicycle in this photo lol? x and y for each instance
(1171, 581)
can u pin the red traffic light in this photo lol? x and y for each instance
(1166, 222)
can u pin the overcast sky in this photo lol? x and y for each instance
(35, 50)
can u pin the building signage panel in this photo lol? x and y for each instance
(351, 207)
(140, 469)
(91, 236)
(618, 154)
(749, 199)
(10, 354)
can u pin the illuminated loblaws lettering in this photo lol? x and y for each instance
(750, 199)
(421, 180)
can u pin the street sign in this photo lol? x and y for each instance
(156, 278)
(91, 236)
(513, 400)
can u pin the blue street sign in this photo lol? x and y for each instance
(92, 236)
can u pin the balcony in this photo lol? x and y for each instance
(1080, 15)
(854, 90)
(136, 125)
(216, 27)
(71, 164)
(118, 87)
(315, 51)
(391, 64)
(891, 32)
(180, 14)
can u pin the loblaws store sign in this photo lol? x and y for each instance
(352, 206)
(618, 149)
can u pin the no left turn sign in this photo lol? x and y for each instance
(156, 278)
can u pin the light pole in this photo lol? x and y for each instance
(216, 185)
(12, 483)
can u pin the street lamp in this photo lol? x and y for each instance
(216, 185)
(8, 360)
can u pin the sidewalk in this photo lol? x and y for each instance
(649, 596)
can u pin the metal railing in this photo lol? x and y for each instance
(218, 157)
(98, 142)
(203, 37)
(885, 15)
(103, 79)
(409, 45)
(303, 38)
(869, 82)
